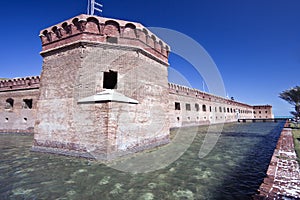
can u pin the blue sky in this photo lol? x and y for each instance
(255, 44)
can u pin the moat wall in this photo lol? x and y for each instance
(283, 175)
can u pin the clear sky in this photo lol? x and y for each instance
(254, 43)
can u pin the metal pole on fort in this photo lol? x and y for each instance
(92, 6)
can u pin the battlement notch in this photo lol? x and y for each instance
(87, 28)
(32, 82)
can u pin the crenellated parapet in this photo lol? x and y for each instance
(94, 29)
(20, 83)
(186, 91)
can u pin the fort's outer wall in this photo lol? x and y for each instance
(191, 107)
(263, 112)
(17, 115)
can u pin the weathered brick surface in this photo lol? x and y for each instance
(99, 29)
(283, 175)
(18, 118)
(27, 83)
(212, 109)
(263, 111)
(106, 129)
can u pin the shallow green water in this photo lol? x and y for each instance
(233, 170)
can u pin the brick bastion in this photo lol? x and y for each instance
(104, 92)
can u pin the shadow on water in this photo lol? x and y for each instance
(233, 170)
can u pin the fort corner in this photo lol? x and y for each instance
(104, 89)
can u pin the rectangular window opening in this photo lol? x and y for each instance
(197, 107)
(177, 106)
(110, 80)
(188, 106)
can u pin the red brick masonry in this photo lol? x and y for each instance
(283, 176)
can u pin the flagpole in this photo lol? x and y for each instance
(92, 6)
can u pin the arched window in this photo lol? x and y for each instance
(204, 108)
(9, 103)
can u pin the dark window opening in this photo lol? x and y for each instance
(27, 104)
(259, 112)
(6, 119)
(110, 80)
(25, 120)
(177, 106)
(220, 109)
(197, 107)
(178, 118)
(209, 108)
(266, 112)
(9, 103)
(188, 107)
(204, 108)
(112, 40)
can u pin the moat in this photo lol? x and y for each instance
(234, 169)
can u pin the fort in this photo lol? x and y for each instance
(104, 92)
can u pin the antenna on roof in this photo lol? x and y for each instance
(92, 6)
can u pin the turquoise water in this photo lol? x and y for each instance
(234, 169)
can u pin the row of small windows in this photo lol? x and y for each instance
(6, 120)
(261, 117)
(259, 112)
(26, 103)
(204, 108)
(198, 118)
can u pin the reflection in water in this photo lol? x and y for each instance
(233, 170)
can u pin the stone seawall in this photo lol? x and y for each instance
(283, 176)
